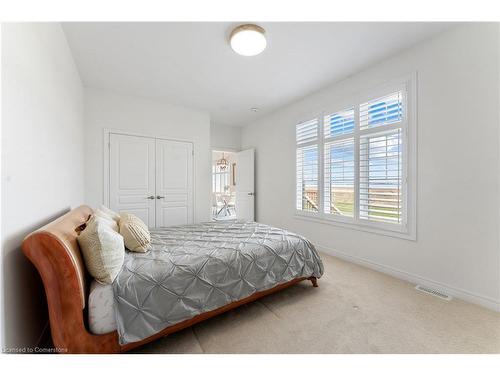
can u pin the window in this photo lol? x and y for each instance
(355, 165)
(220, 179)
(307, 166)
(380, 159)
(339, 163)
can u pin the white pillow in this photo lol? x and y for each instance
(106, 219)
(103, 250)
(135, 233)
(112, 214)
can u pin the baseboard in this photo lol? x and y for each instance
(465, 295)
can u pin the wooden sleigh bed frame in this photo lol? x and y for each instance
(56, 255)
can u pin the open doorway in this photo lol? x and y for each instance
(223, 185)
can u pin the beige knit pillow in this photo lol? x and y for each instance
(103, 250)
(135, 233)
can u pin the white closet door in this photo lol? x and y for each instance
(174, 183)
(132, 176)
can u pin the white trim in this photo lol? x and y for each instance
(498, 186)
(316, 143)
(321, 162)
(224, 149)
(408, 228)
(357, 144)
(106, 142)
(412, 156)
(348, 223)
(487, 302)
(308, 116)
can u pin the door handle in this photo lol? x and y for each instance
(250, 194)
(159, 197)
(151, 197)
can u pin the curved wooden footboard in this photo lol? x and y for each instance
(56, 255)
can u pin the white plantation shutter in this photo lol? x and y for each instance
(338, 167)
(380, 177)
(380, 159)
(307, 132)
(339, 123)
(339, 177)
(382, 111)
(307, 163)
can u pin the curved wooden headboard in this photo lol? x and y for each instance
(63, 232)
(55, 253)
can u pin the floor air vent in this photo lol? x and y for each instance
(433, 292)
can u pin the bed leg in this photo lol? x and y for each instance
(314, 281)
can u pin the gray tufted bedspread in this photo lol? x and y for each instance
(193, 269)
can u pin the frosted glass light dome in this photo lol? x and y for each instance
(248, 40)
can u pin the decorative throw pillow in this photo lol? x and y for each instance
(106, 219)
(112, 214)
(135, 233)
(103, 250)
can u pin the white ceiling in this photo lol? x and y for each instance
(191, 64)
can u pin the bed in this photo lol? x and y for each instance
(191, 273)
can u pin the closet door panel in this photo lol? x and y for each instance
(132, 176)
(174, 183)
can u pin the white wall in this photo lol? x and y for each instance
(148, 117)
(457, 246)
(224, 137)
(42, 161)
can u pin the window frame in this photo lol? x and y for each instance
(216, 174)
(307, 145)
(407, 230)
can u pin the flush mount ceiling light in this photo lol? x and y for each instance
(248, 40)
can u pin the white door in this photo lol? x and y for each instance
(245, 197)
(174, 183)
(132, 176)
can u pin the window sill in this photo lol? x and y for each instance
(354, 226)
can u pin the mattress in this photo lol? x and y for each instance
(193, 269)
(101, 308)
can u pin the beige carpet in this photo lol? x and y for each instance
(354, 310)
